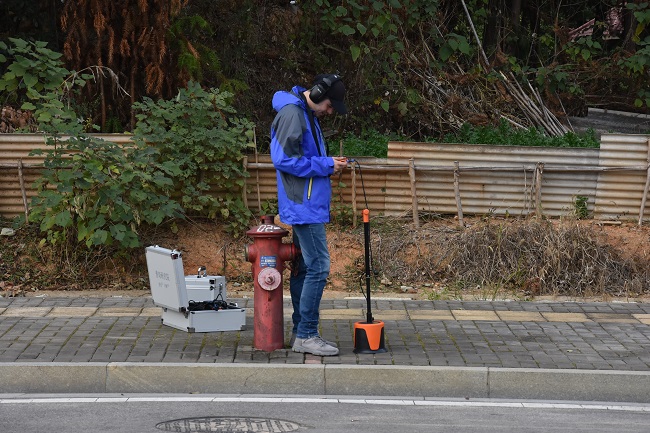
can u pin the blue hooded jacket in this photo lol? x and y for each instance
(302, 165)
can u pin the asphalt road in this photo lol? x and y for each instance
(205, 413)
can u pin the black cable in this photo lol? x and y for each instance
(365, 199)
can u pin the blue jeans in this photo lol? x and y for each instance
(307, 284)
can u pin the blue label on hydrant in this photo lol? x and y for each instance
(268, 261)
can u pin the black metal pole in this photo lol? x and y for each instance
(366, 233)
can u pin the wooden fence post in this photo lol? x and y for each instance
(647, 186)
(353, 174)
(414, 193)
(459, 205)
(23, 191)
(539, 170)
(244, 195)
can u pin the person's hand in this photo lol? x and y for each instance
(340, 162)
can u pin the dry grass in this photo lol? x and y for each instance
(489, 259)
(527, 257)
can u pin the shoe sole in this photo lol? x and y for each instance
(331, 343)
(303, 350)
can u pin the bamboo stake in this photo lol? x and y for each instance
(257, 175)
(539, 169)
(414, 196)
(243, 190)
(459, 205)
(647, 186)
(478, 41)
(23, 191)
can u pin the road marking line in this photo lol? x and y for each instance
(375, 401)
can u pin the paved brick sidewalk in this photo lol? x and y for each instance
(548, 335)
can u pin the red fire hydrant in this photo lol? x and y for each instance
(268, 254)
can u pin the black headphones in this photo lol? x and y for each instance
(319, 91)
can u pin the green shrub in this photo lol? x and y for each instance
(99, 193)
(369, 143)
(505, 134)
(31, 70)
(199, 134)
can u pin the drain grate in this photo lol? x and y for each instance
(228, 425)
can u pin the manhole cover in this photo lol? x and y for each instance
(228, 425)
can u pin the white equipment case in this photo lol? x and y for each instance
(179, 295)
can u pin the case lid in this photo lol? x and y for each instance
(166, 278)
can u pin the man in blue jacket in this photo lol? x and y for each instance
(304, 191)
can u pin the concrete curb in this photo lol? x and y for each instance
(319, 379)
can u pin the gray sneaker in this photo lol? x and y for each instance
(314, 345)
(293, 340)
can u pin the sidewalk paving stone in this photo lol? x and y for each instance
(542, 335)
(72, 311)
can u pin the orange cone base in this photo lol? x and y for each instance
(369, 337)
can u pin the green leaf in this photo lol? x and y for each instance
(362, 29)
(464, 47)
(347, 30)
(28, 106)
(63, 219)
(99, 237)
(82, 231)
(356, 51)
(30, 80)
(118, 232)
(385, 105)
(445, 52)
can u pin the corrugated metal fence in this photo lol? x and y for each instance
(438, 178)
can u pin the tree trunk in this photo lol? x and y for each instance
(514, 23)
(629, 27)
(491, 33)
